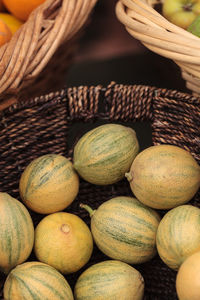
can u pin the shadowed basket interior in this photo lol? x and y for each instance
(143, 20)
(37, 57)
(54, 122)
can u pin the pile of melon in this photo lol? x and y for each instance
(128, 230)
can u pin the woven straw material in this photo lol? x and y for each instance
(146, 24)
(41, 50)
(53, 123)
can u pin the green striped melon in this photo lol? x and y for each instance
(110, 280)
(125, 229)
(36, 280)
(16, 234)
(49, 184)
(164, 176)
(103, 155)
(178, 235)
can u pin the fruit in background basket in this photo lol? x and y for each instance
(64, 241)
(12, 22)
(110, 280)
(35, 280)
(194, 28)
(178, 235)
(125, 229)
(164, 176)
(21, 8)
(105, 153)
(49, 184)
(187, 279)
(5, 33)
(17, 233)
(181, 12)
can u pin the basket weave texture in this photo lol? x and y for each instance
(54, 122)
(40, 52)
(144, 22)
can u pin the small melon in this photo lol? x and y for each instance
(178, 235)
(49, 184)
(64, 241)
(103, 155)
(125, 229)
(35, 280)
(16, 234)
(164, 176)
(110, 280)
(188, 278)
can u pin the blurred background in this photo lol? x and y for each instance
(107, 52)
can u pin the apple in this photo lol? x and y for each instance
(181, 12)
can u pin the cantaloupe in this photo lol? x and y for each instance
(109, 280)
(103, 155)
(164, 176)
(16, 233)
(125, 229)
(35, 280)
(178, 235)
(49, 184)
(64, 241)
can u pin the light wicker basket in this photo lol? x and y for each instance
(144, 22)
(39, 53)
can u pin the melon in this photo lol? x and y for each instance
(16, 234)
(110, 280)
(178, 235)
(164, 176)
(49, 184)
(64, 241)
(188, 278)
(103, 155)
(35, 280)
(125, 229)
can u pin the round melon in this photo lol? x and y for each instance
(35, 280)
(103, 155)
(164, 176)
(16, 234)
(110, 280)
(49, 184)
(178, 235)
(125, 229)
(64, 241)
(188, 278)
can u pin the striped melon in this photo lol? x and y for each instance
(16, 234)
(35, 280)
(103, 155)
(110, 280)
(178, 235)
(49, 184)
(125, 229)
(164, 176)
(64, 241)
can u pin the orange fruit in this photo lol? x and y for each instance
(11, 21)
(5, 33)
(21, 8)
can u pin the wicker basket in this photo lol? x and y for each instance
(146, 24)
(35, 61)
(53, 123)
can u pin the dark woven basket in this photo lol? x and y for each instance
(54, 122)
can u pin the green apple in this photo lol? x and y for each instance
(181, 12)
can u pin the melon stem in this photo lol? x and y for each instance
(88, 209)
(129, 176)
